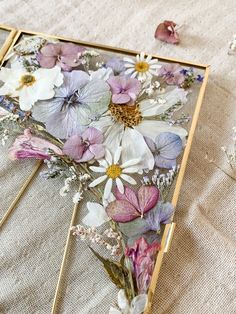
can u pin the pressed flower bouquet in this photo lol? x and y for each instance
(113, 125)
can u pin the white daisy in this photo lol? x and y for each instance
(126, 126)
(142, 68)
(29, 86)
(112, 170)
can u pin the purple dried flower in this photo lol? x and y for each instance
(29, 146)
(86, 146)
(117, 65)
(166, 149)
(124, 90)
(65, 55)
(172, 74)
(143, 256)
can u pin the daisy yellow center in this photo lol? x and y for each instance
(27, 80)
(113, 171)
(142, 66)
(128, 115)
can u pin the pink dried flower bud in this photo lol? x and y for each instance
(166, 32)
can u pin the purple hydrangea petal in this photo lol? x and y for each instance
(116, 64)
(169, 145)
(93, 135)
(97, 150)
(87, 155)
(164, 162)
(120, 98)
(73, 147)
(65, 123)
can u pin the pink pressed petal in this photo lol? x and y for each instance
(70, 49)
(115, 83)
(46, 62)
(129, 195)
(97, 150)
(74, 147)
(93, 136)
(51, 50)
(148, 197)
(122, 211)
(166, 32)
(87, 155)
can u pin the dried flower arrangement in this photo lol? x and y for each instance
(107, 126)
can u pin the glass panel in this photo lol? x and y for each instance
(116, 116)
(3, 36)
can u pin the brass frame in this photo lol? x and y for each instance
(8, 41)
(169, 228)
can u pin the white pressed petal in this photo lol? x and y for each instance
(97, 181)
(129, 60)
(153, 128)
(128, 179)
(137, 58)
(103, 163)
(103, 123)
(142, 54)
(108, 157)
(138, 151)
(130, 162)
(113, 136)
(153, 61)
(96, 215)
(120, 185)
(155, 66)
(129, 71)
(92, 206)
(149, 108)
(97, 169)
(26, 99)
(130, 65)
(148, 59)
(122, 301)
(114, 311)
(133, 75)
(117, 154)
(107, 189)
(153, 72)
(130, 170)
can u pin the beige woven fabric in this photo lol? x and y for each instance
(199, 274)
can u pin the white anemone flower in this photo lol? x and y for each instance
(29, 86)
(137, 305)
(127, 126)
(112, 170)
(142, 68)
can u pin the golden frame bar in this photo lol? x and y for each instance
(169, 228)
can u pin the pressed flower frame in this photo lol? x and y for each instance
(169, 228)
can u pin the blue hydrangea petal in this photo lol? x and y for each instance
(168, 145)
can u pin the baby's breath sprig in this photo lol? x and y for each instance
(93, 236)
